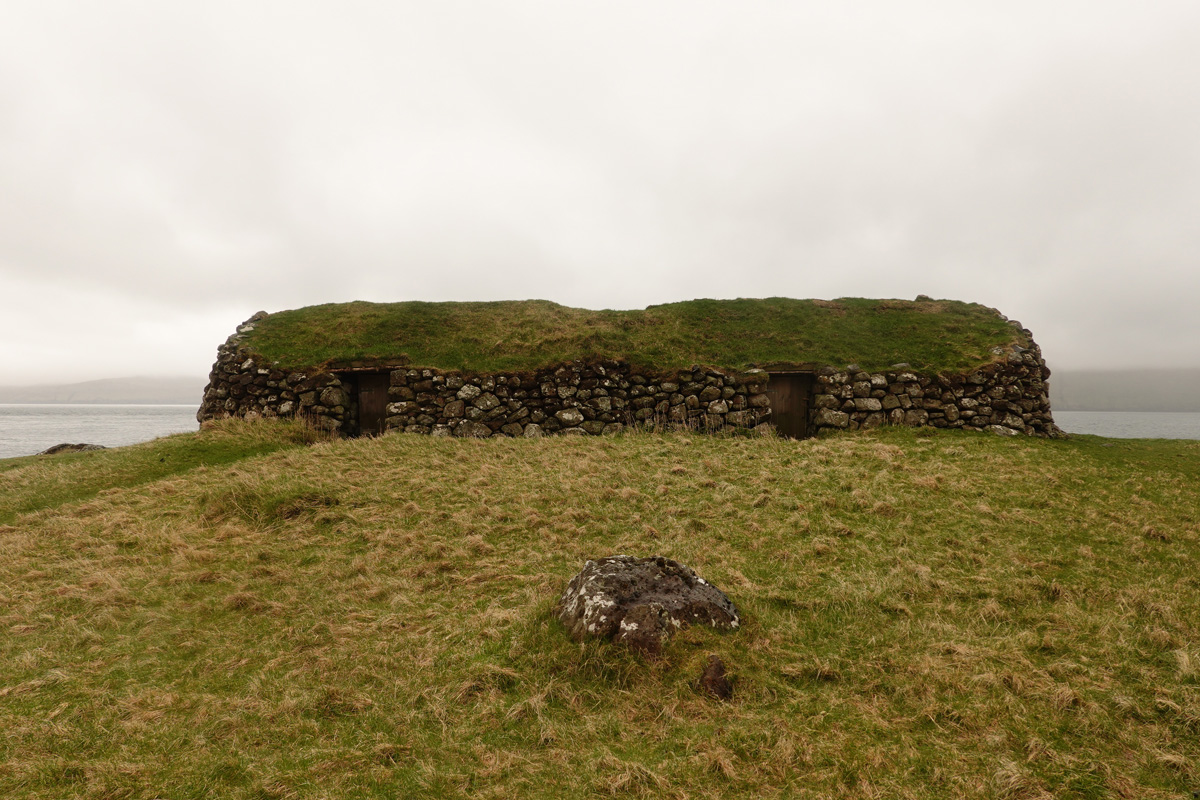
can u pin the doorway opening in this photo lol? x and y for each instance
(790, 394)
(370, 393)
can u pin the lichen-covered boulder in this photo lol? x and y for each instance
(641, 602)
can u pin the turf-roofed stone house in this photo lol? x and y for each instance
(530, 368)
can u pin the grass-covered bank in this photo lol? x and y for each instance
(31, 483)
(925, 615)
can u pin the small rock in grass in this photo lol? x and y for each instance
(71, 448)
(714, 681)
(641, 602)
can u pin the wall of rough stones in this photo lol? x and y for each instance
(576, 398)
(1009, 396)
(243, 384)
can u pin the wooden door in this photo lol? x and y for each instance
(789, 394)
(372, 402)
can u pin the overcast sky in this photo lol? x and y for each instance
(167, 169)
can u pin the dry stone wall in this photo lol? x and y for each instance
(573, 399)
(243, 384)
(1009, 396)
(576, 398)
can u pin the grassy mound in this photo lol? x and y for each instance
(925, 616)
(32, 483)
(526, 335)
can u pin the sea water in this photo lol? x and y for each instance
(1132, 424)
(31, 428)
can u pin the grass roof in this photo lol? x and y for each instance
(930, 335)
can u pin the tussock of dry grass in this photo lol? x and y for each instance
(924, 617)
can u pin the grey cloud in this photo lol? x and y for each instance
(194, 160)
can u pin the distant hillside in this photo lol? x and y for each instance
(154, 391)
(1127, 390)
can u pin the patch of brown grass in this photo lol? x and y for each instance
(992, 638)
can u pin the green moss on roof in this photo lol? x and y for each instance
(511, 336)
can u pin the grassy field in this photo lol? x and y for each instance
(925, 615)
(934, 336)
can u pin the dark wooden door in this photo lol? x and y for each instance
(372, 402)
(789, 394)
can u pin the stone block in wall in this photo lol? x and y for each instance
(874, 420)
(826, 401)
(1011, 420)
(569, 417)
(334, 396)
(742, 419)
(472, 430)
(486, 401)
(827, 417)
